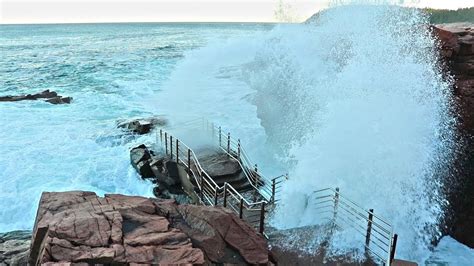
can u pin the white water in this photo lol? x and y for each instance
(353, 100)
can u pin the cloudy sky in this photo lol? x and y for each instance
(69, 11)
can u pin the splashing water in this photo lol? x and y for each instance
(352, 99)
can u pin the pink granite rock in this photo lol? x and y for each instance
(74, 228)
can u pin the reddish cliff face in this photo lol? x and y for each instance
(457, 50)
(81, 228)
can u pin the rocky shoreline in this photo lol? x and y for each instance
(457, 53)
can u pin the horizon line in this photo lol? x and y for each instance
(150, 22)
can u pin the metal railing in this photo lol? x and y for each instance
(207, 190)
(268, 188)
(380, 241)
(376, 233)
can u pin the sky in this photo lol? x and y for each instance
(81, 11)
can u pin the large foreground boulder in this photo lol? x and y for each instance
(80, 227)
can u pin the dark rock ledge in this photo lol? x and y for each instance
(162, 171)
(48, 96)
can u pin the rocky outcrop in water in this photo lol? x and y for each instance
(141, 126)
(162, 171)
(14, 248)
(457, 51)
(49, 96)
(80, 227)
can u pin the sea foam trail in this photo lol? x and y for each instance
(353, 99)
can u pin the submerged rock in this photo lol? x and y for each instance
(50, 96)
(59, 100)
(14, 248)
(80, 227)
(141, 126)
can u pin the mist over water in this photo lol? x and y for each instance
(353, 99)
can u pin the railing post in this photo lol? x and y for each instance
(273, 189)
(161, 135)
(177, 151)
(262, 218)
(212, 130)
(255, 176)
(369, 229)
(238, 149)
(228, 143)
(166, 143)
(225, 194)
(220, 136)
(215, 197)
(171, 146)
(393, 247)
(202, 189)
(336, 203)
(189, 159)
(241, 210)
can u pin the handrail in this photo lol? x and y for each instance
(205, 184)
(256, 179)
(234, 149)
(329, 204)
(380, 241)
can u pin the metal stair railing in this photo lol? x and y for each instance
(380, 241)
(208, 191)
(268, 188)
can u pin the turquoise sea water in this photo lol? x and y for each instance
(112, 71)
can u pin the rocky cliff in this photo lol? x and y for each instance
(80, 227)
(457, 52)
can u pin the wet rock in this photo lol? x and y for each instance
(80, 227)
(14, 248)
(223, 237)
(143, 125)
(218, 164)
(178, 195)
(163, 171)
(50, 96)
(457, 51)
(223, 169)
(140, 158)
(59, 100)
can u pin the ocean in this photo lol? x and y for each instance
(111, 71)
(344, 101)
